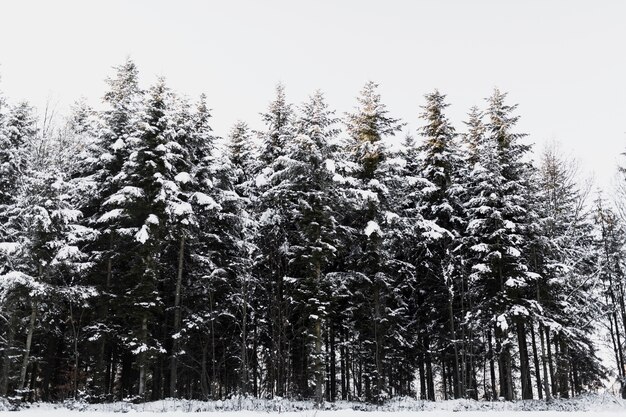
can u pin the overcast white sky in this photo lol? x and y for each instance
(563, 62)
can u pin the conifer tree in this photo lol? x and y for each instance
(107, 144)
(497, 222)
(369, 260)
(308, 195)
(272, 261)
(440, 272)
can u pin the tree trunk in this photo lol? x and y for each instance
(455, 372)
(213, 358)
(348, 365)
(8, 347)
(244, 340)
(333, 364)
(378, 339)
(544, 362)
(536, 362)
(177, 320)
(255, 360)
(563, 368)
(430, 382)
(75, 335)
(551, 363)
(102, 377)
(204, 379)
(29, 340)
(444, 378)
(143, 356)
(527, 391)
(343, 366)
(422, 376)
(319, 370)
(492, 366)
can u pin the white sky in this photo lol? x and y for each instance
(562, 61)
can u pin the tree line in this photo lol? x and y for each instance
(142, 257)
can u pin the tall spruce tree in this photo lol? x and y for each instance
(307, 193)
(441, 274)
(497, 213)
(272, 260)
(371, 285)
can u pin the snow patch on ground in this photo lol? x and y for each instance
(593, 405)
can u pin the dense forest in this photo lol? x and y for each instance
(143, 257)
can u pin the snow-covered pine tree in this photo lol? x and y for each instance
(609, 266)
(280, 130)
(271, 262)
(186, 150)
(473, 141)
(497, 213)
(43, 282)
(368, 260)
(303, 184)
(153, 201)
(241, 152)
(439, 271)
(98, 174)
(217, 262)
(17, 130)
(406, 235)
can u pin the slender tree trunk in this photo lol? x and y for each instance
(348, 365)
(143, 356)
(492, 366)
(102, 376)
(213, 358)
(244, 339)
(319, 370)
(327, 389)
(620, 352)
(204, 383)
(111, 369)
(551, 363)
(544, 362)
(455, 374)
(527, 391)
(422, 376)
(620, 296)
(255, 360)
(576, 388)
(8, 347)
(343, 366)
(34, 374)
(29, 340)
(509, 375)
(177, 320)
(280, 368)
(333, 364)
(378, 336)
(444, 378)
(430, 382)
(536, 362)
(502, 377)
(563, 368)
(75, 334)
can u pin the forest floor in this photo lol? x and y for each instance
(595, 405)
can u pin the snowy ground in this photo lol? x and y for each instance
(329, 413)
(603, 405)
